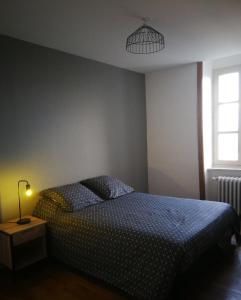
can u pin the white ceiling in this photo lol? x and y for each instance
(194, 30)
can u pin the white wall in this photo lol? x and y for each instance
(171, 102)
(226, 62)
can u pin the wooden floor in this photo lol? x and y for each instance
(215, 277)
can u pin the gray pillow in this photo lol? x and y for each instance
(72, 197)
(107, 187)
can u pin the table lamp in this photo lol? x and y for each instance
(28, 193)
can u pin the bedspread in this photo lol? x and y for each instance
(138, 242)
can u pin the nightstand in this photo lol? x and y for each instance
(22, 245)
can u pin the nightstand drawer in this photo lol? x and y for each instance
(28, 235)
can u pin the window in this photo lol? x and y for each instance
(227, 118)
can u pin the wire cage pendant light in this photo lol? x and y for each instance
(145, 40)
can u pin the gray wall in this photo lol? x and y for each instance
(64, 118)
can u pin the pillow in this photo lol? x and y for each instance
(107, 187)
(71, 197)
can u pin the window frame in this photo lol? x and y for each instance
(215, 161)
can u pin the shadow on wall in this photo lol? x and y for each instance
(162, 184)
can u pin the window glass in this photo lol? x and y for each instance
(228, 146)
(228, 87)
(228, 117)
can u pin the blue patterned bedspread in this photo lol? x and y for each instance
(137, 242)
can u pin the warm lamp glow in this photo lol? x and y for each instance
(29, 192)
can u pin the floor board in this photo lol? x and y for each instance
(217, 276)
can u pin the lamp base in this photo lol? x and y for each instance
(23, 221)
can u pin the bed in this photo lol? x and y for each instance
(137, 242)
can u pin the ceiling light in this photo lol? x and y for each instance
(145, 40)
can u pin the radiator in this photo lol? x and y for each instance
(229, 191)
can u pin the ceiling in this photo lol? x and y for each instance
(97, 29)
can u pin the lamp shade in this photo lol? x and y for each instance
(28, 190)
(145, 40)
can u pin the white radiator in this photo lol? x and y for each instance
(229, 191)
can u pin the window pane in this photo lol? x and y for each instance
(228, 146)
(228, 117)
(228, 87)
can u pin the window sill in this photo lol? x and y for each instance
(217, 168)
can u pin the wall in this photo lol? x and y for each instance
(227, 62)
(171, 101)
(64, 118)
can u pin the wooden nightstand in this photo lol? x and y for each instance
(22, 245)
